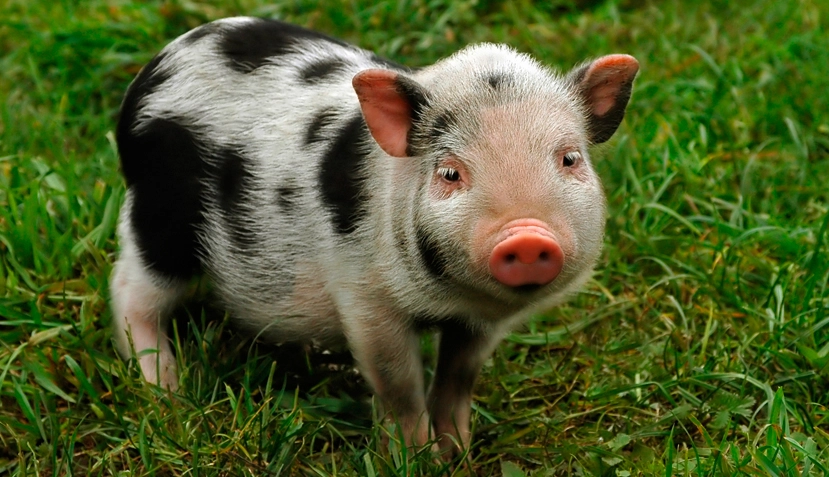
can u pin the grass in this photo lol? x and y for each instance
(700, 347)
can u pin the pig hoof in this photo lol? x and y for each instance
(161, 370)
(450, 448)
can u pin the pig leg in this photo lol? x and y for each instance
(461, 354)
(141, 304)
(388, 354)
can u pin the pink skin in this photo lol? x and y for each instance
(526, 253)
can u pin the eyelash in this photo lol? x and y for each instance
(449, 174)
(571, 159)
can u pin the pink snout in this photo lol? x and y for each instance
(526, 257)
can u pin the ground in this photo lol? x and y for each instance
(700, 346)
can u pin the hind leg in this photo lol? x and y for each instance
(142, 301)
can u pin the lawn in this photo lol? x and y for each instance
(700, 346)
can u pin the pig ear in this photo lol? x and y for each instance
(605, 85)
(390, 102)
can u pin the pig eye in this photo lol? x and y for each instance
(571, 159)
(449, 174)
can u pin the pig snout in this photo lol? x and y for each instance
(526, 254)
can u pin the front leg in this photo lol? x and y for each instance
(460, 357)
(387, 349)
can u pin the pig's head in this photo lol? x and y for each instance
(498, 189)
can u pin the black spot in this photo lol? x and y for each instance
(321, 120)
(198, 33)
(316, 72)
(341, 176)
(430, 253)
(496, 80)
(234, 180)
(286, 195)
(165, 175)
(443, 122)
(254, 44)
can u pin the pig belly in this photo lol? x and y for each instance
(305, 314)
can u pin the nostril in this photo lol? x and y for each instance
(526, 258)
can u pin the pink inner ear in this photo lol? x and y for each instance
(605, 79)
(387, 113)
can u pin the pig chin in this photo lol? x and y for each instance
(523, 294)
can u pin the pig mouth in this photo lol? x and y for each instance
(528, 289)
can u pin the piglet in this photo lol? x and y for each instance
(335, 197)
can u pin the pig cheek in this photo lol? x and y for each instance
(584, 174)
(581, 233)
